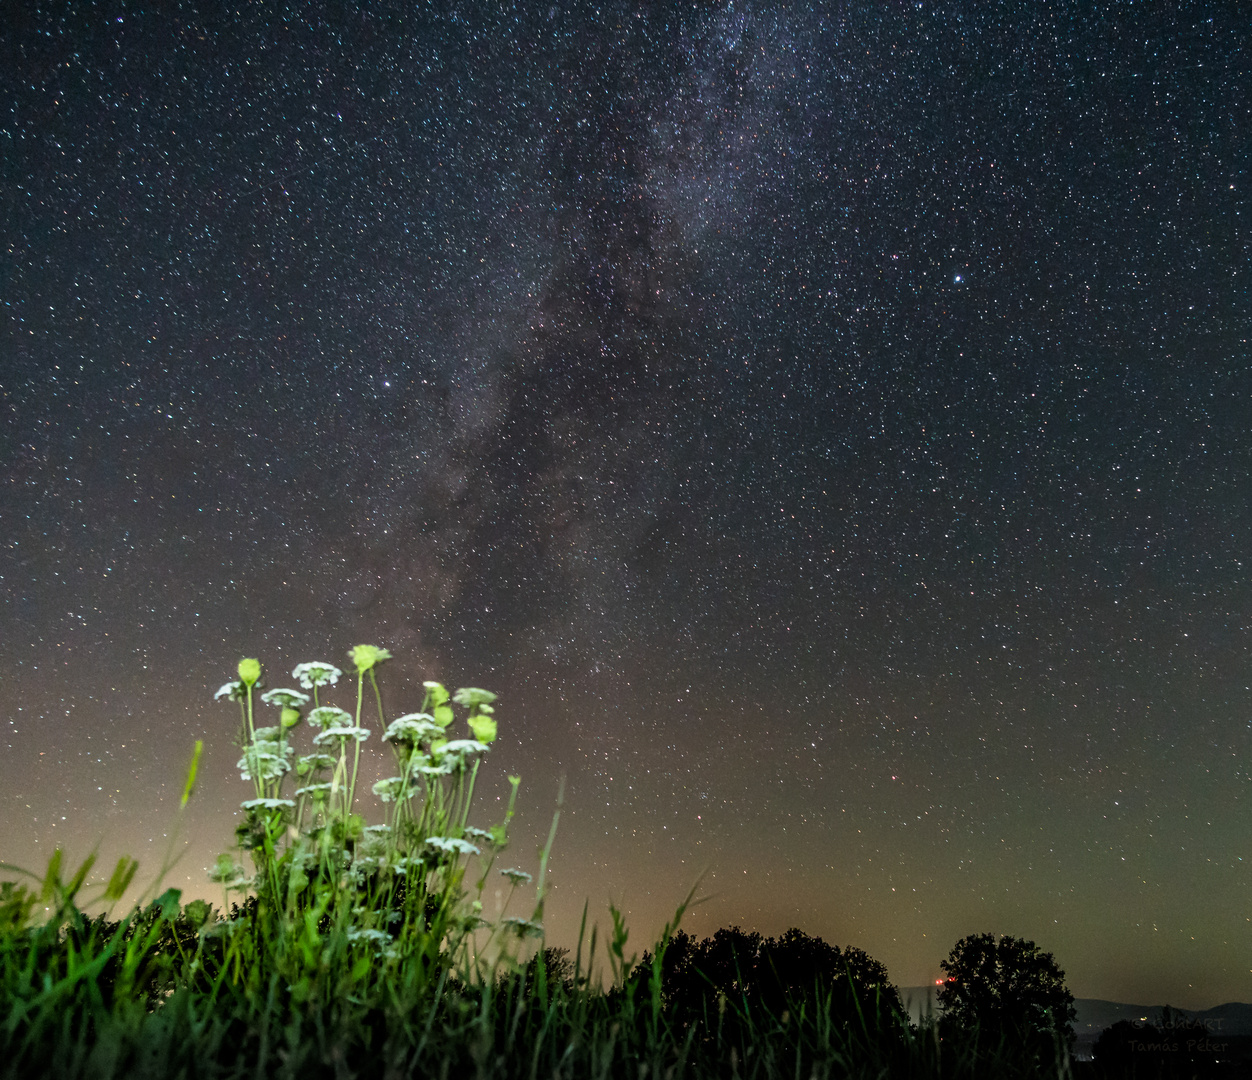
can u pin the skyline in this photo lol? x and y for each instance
(826, 432)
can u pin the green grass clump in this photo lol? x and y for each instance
(348, 949)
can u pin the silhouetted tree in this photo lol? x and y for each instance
(794, 968)
(557, 965)
(1007, 988)
(735, 973)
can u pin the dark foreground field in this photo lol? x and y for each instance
(173, 991)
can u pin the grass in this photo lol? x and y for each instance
(357, 950)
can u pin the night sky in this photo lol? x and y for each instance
(830, 433)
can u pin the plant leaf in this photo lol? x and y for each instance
(52, 877)
(192, 769)
(483, 727)
(123, 875)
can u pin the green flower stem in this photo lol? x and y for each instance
(422, 822)
(256, 779)
(378, 698)
(356, 753)
(541, 887)
(505, 907)
(271, 860)
(403, 810)
(341, 773)
(248, 716)
(468, 796)
(504, 835)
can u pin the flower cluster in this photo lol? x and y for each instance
(313, 830)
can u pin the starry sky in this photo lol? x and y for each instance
(826, 426)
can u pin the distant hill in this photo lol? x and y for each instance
(1095, 1014)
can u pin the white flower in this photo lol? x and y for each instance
(232, 691)
(478, 834)
(315, 673)
(266, 804)
(412, 729)
(329, 716)
(517, 877)
(458, 752)
(292, 699)
(451, 845)
(472, 695)
(374, 937)
(464, 748)
(314, 763)
(267, 735)
(259, 761)
(342, 733)
(314, 791)
(428, 768)
(389, 790)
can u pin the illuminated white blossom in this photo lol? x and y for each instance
(232, 691)
(426, 767)
(315, 673)
(517, 877)
(472, 695)
(292, 699)
(313, 763)
(266, 804)
(329, 716)
(389, 790)
(459, 752)
(464, 748)
(451, 845)
(360, 734)
(412, 729)
(263, 763)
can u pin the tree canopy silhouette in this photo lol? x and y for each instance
(743, 971)
(1007, 987)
